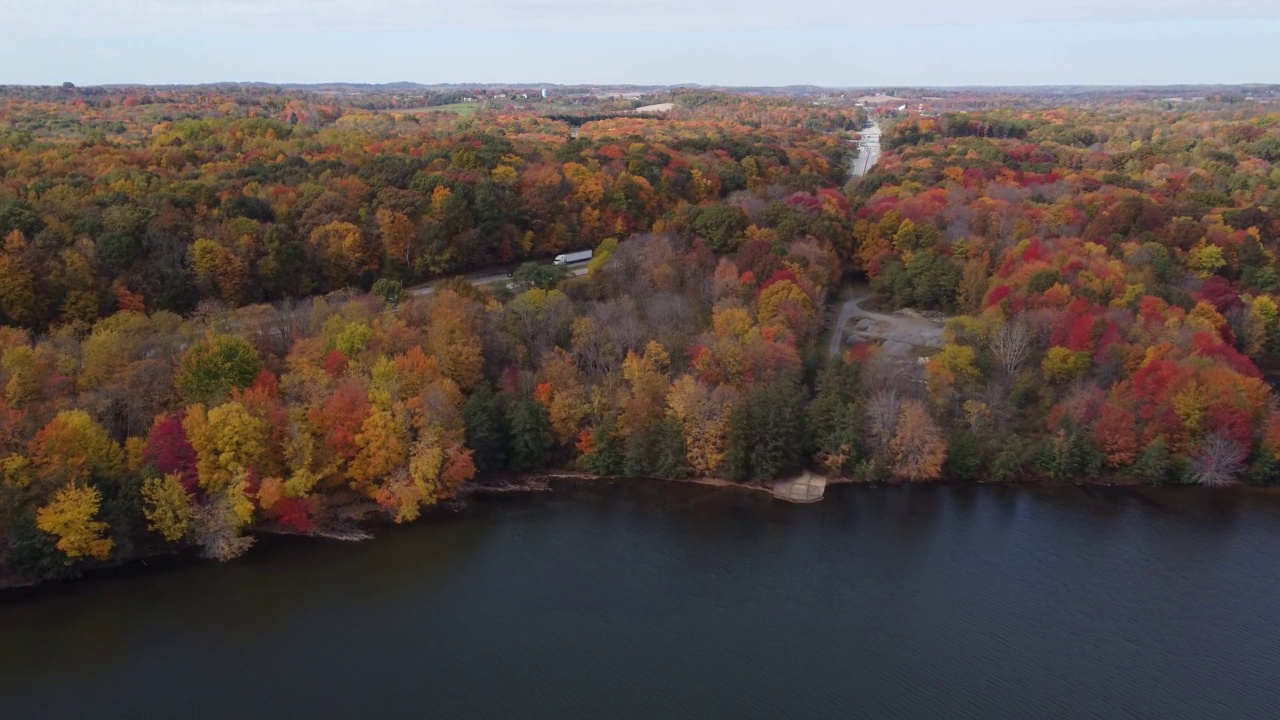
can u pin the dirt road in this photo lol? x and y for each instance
(900, 332)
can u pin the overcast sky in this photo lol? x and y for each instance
(733, 42)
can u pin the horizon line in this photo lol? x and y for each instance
(673, 86)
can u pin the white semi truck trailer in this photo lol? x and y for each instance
(572, 258)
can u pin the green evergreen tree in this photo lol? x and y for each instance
(485, 420)
(1011, 462)
(638, 455)
(1153, 465)
(1263, 469)
(1072, 456)
(835, 415)
(668, 459)
(607, 458)
(531, 438)
(964, 457)
(768, 432)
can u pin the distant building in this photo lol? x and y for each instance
(544, 93)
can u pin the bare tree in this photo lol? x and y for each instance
(1011, 346)
(670, 319)
(621, 322)
(881, 371)
(592, 351)
(725, 283)
(882, 417)
(625, 270)
(1217, 460)
(215, 530)
(539, 320)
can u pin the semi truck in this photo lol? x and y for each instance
(572, 258)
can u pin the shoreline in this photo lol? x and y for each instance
(13, 588)
(543, 481)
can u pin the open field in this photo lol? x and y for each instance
(465, 109)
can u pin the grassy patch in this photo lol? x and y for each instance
(464, 109)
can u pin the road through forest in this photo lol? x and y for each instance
(491, 279)
(868, 151)
(868, 156)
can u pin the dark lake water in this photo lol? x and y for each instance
(673, 601)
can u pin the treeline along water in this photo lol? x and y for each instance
(649, 601)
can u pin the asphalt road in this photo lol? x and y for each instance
(578, 271)
(868, 151)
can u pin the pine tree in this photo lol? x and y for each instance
(669, 450)
(530, 435)
(835, 417)
(768, 432)
(606, 456)
(487, 434)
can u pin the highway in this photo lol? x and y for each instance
(578, 271)
(868, 151)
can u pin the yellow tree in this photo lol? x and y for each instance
(228, 441)
(167, 506)
(644, 400)
(300, 451)
(25, 366)
(17, 286)
(505, 175)
(397, 235)
(777, 297)
(218, 267)
(72, 447)
(457, 467)
(439, 200)
(439, 464)
(953, 366)
(382, 443)
(451, 339)
(342, 250)
(111, 346)
(731, 321)
(1061, 364)
(72, 517)
(563, 394)
(1205, 259)
(1262, 323)
(703, 416)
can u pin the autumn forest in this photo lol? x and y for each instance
(238, 310)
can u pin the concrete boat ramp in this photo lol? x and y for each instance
(807, 488)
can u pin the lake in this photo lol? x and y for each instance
(647, 600)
